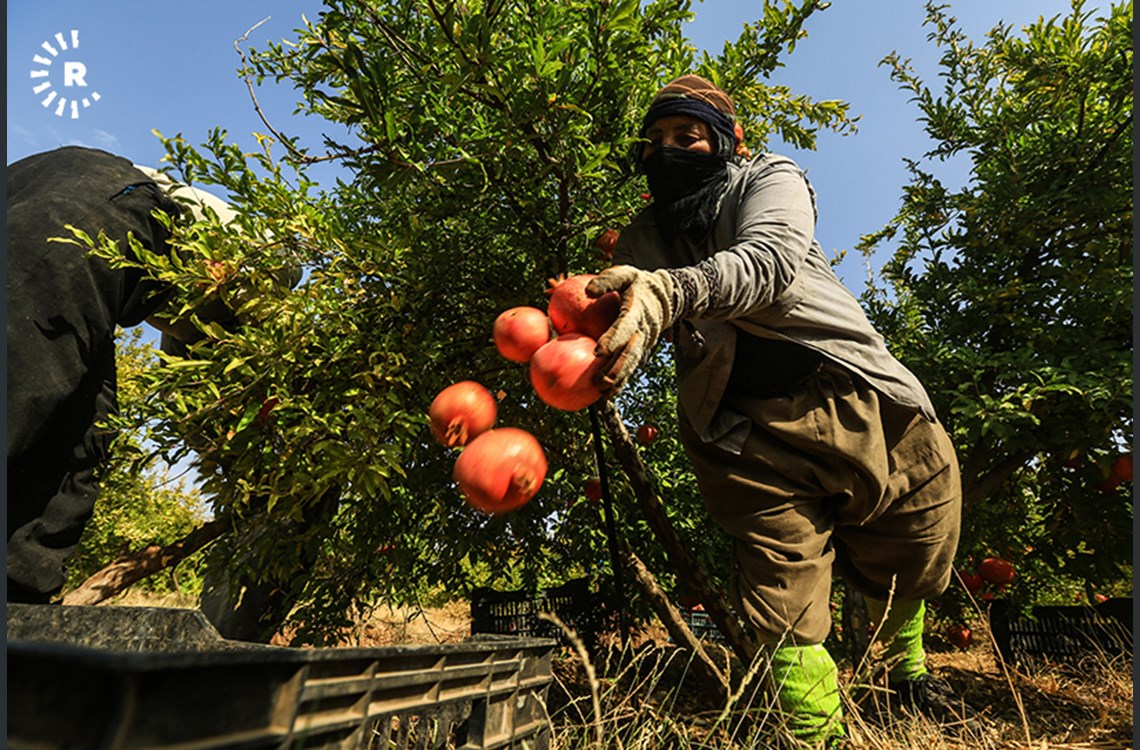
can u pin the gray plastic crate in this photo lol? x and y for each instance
(125, 677)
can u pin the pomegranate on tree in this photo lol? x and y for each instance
(1122, 467)
(565, 371)
(461, 412)
(646, 434)
(996, 570)
(571, 311)
(593, 489)
(972, 581)
(606, 241)
(501, 470)
(265, 413)
(520, 331)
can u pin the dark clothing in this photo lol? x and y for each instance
(63, 308)
(769, 367)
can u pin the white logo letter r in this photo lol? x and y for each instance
(73, 73)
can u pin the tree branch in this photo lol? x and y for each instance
(684, 562)
(670, 617)
(985, 485)
(124, 572)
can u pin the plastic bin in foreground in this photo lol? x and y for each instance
(134, 677)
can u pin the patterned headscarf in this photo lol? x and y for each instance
(698, 97)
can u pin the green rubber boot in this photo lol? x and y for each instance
(902, 636)
(807, 686)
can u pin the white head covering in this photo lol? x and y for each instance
(192, 199)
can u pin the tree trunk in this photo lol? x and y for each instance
(246, 607)
(671, 618)
(856, 639)
(683, 561)
(124, 572)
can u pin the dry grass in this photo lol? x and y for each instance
(643, 696)
(645, 703)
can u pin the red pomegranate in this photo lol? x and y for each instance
(460, 412)
(996, 570)
(564, 372)
(605, 242)
(1122, 467)
(972, 581)
(571, 311)
(520, 331)
(959, 635)
(646, 434)
(593, 489)
(501, 470)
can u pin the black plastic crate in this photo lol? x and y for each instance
(1062, 633)
(702, 625)
(516, 613)
(133, 677)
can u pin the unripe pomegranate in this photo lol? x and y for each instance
(520, 331)
(996, 570)
(565, 371)
(571, 311)
(501, 470)
(460, 412)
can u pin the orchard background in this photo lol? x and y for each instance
(488, 152)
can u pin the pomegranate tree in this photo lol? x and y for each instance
(520, 331)
(565, 372)
(501, 470)
(571, 311)
(461, 412)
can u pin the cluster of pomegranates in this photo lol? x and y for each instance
(992, 574)
(501, 469)
(558, 344)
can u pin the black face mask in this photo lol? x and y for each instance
(687, 186)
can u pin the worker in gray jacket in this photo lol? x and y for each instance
(813, 447)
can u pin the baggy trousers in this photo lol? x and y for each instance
(63, 308)
(833, 478)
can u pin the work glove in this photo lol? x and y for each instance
(651, 302)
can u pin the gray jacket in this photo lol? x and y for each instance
(771, 279)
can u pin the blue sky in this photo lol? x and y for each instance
(171, 67)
